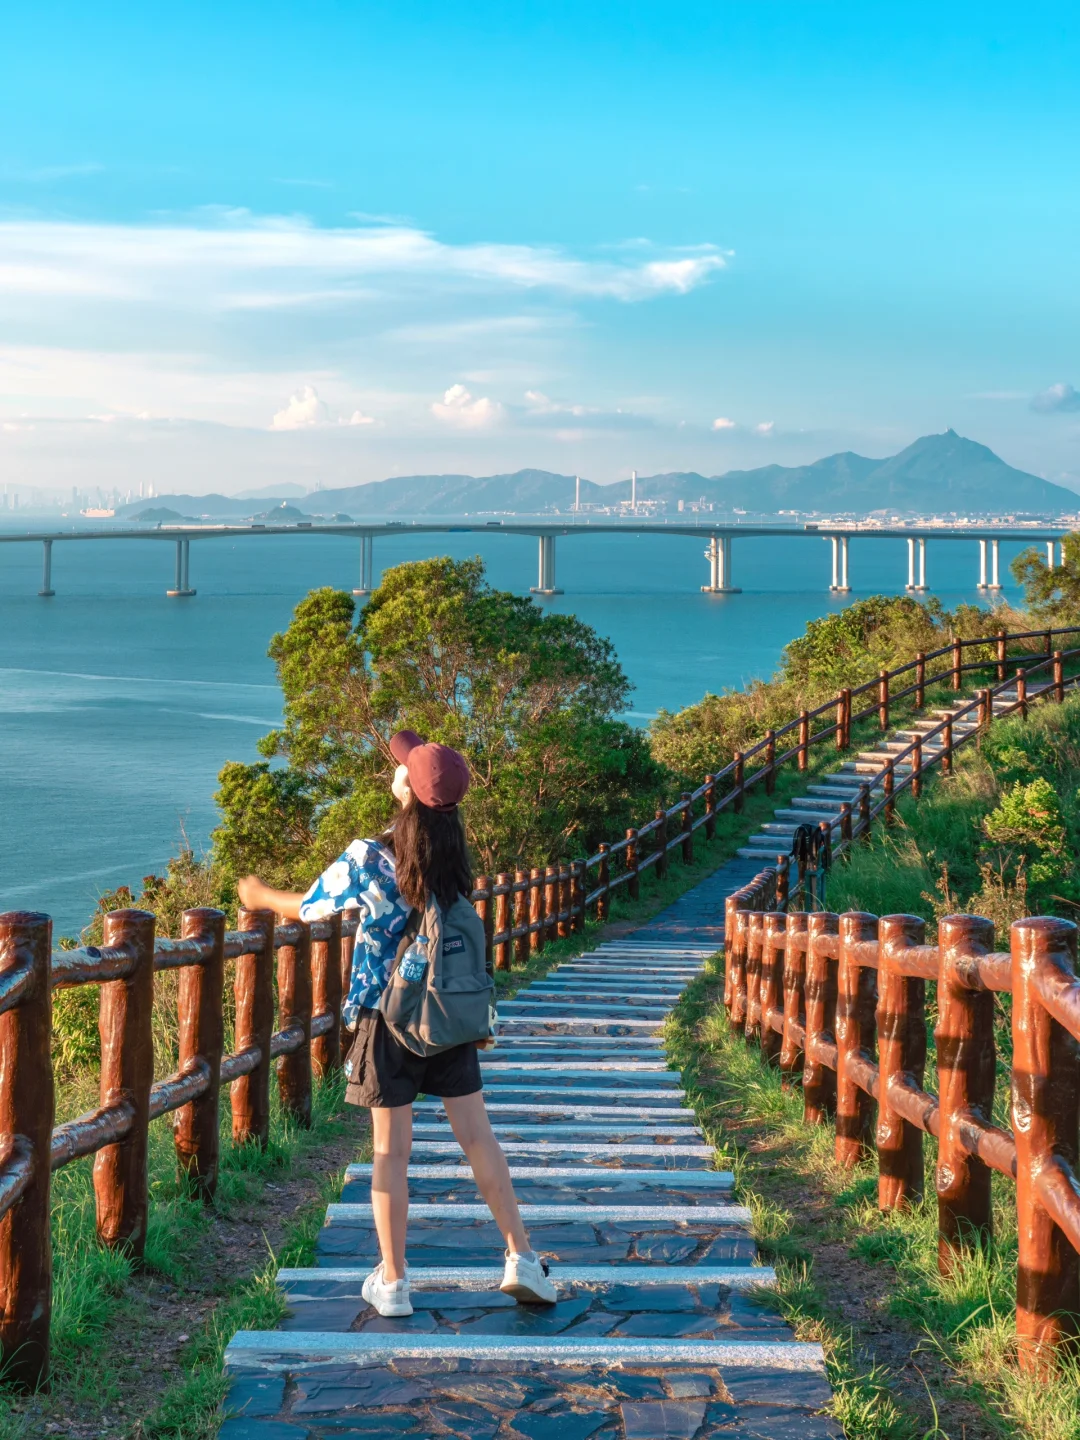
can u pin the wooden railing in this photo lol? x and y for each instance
(839, 1004)
(673, 829)
(313, 964)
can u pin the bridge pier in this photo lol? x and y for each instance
(46, 569)
(719, 557)
(1051, 554)
(545, 583)
(366, 579)
(912, 586)
(839, 584)
(182, 583)
(995, 581)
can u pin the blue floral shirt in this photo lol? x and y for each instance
(362, 879)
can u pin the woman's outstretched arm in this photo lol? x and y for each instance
(254, 895)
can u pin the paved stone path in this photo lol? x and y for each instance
(660, 1329)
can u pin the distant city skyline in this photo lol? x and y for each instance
(241, 247)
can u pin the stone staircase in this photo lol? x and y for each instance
(660, 1329)
(824, 798)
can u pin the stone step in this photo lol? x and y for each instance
(567, 1106)
(573, 1025)
(706, 1235)
(611, 1092)
(815, 802)
(533, 1151)
(536, 1009)
(805, 817)
(612, 1131)
(546, 1185)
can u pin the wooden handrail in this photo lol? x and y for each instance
(837, 987)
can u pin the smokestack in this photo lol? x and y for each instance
(633, 491)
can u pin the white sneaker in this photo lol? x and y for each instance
(389, 1298)
(528, 1281)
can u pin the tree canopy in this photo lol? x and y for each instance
(531, 698)
(1051, 593)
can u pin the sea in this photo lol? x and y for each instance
(119, 705)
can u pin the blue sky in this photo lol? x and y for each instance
(337, 242)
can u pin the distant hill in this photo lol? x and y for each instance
(937, 474)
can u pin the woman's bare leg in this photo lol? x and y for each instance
(391, 1131)
(472, 1130)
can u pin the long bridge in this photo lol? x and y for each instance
(718, 551)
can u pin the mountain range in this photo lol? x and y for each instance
(937, 474)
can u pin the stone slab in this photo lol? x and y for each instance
(523, 1152)
(248, 1347)
(360, 1214)
(702, 1179)
(526, 1131)
(439, 1277)
(544, 1009)
(668, 1114)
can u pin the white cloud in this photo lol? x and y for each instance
(234, 260)
(358, 418)
(304, 410)
(458, 408)
(1057, 399)
(723, 423)
(765, 428)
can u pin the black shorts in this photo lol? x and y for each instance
(382, 1073)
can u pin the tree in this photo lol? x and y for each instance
(1051, 593)
(531, 699)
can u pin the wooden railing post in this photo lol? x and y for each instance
(687, 828)
(710, 807)
(964, 1036)
(783, 870)
(755, 935)
(957, 663)
(603, 900)
(838, 729)
(770, 761)
(633, 885)
(731, 905)
(1059, 677)
(1048, 644)
(920, 680)
(26, 1115)
(1046, 1112)
(804, 740)
(536, 910)
(737, 965)
(294, 1009)
(326, 997)
(1021, 694)
(901, 1026)
(551, 901)
(501, 948)
(883, 700)
(856, 1000)
(1002, 643)
(845, 822)
(847, 718)
(577, 895)
(661, 843)
(819, 1081)
(916, 766)
(772, 973)
(564, 902)
(125, 1023)
(737, 787)
(521, 916)
(947, 748)
(791, 1049)
(202, 1040)
(345, 959)
(888, 785)
(254, 992)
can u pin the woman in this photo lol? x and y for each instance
(424, 854)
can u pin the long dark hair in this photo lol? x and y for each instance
(431, 855)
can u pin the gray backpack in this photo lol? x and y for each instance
(440, 993)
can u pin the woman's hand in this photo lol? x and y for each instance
(252, 892)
